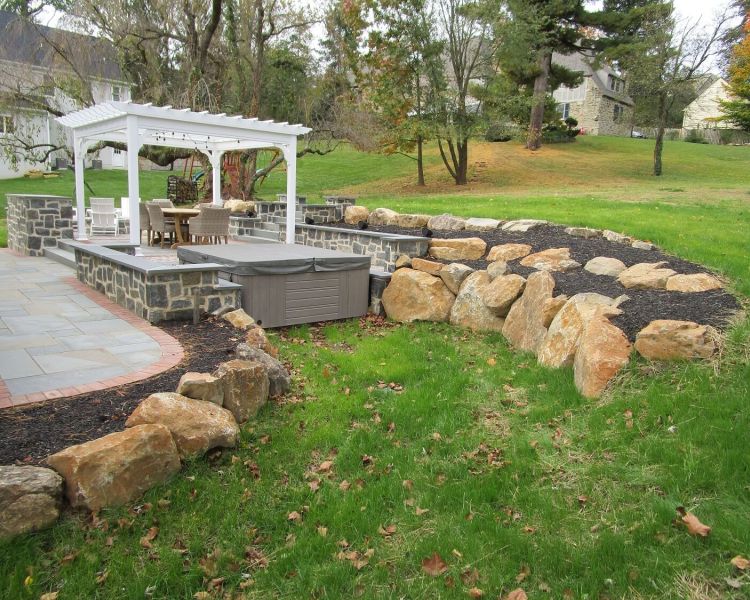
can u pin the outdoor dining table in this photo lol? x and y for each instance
(181, 216)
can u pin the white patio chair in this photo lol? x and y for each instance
(103, 217)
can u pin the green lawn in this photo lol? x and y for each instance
(493, 462)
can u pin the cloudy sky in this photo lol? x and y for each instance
(703, 9)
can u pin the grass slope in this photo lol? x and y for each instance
(525, 483)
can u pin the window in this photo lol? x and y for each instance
(6, 125)
(48, 86)
(618, 111)
(615, 83)
(116, 93)
(564, 110)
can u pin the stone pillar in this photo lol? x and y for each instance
(38, 222)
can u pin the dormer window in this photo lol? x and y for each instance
(615, 83)
(116, 93)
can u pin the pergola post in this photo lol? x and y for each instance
(290, 155)
(134, 193)
(215, 158)
(79, 149)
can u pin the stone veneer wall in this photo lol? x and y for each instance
(322, 213)
(158, 293)
(38, 222)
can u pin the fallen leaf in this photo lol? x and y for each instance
(529, 529)
(408, 484)
(387, 531)
(582, 500)
(740, 562)
(314, 485)
(68, 558)
(694, 526)
(456, 553)
(434, 565)
(517, 594)
(101, 577)
(436, 436)
(475, 593)
(367, 460)
(421, 511)
(322, 531)
(544, 587)
(49, 596)
(733, 583)
(491, 361)
(391, 427)
(523, 573)
(201, 595)
(470, 576)
(325, 466)
(149, 537)
(344, 485)
(294, 516)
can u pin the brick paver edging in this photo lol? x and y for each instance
(171, 355)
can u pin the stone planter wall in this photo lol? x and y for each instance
(322, 213)
(38, 222)
(154, 293)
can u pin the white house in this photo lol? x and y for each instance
(39, 68)
(705, 110)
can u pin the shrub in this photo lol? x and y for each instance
(498, 133)
(694, 137)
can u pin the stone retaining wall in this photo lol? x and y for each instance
(154, 293)
(322, 213)
(38, 222)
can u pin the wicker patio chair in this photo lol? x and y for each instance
(159, 224)
(145, 222)
(212, 223)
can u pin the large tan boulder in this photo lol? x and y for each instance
(354, 214)
(646, 276)
(245, 387)
(279, 380)
(196, 426)
(454, 274)
(524, 326)
(30, 499)
(257, 338)
(411, 221)
(427, 266)
(604, 265)
(675, 340)
(522, 225)
(561, 340)
(446, 223)
(502, 292)
(469, 309)
(507, 252)
(404, 260)
(479, 224)
(603, 351)
(239, 319)
(201, 386)
(416, 296)
(552, 259)
(118, 467)
(497, 268)
(697, 282)
(382, 216)
(618, 238)
(551, 307)
(457, 249)
(239, 206)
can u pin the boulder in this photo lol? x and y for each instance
(403, 261)
(603, 351)
(613, 236)
(427, 266)
(646, 276)
(411, 221)
(502, 292)
(29, 499)
(675, 340)
(354, 214)
(446, 223)
(522, 225)
(551, 307)
(382, 216)
(641, 245)
(603, 265)
(524, 326)
(469, 309)
(279, 381)
(477, 224)
(239, 206)
(697, 282)
(196, 426)
(497, 268)
(201, 386)
(457, 249)
(245, 387)
(508, 252)
(561, 340)
(454, 274)
(552, 259)
(583, 232)
(256, 338)
(118, 467)
(239, 319)
(416, 296)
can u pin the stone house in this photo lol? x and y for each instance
(39, 69)
(600, 103)
(705, 110)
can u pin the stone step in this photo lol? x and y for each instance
(64, 257)
(266, 234)
(268, 226)
(255, 239)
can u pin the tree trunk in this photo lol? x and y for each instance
(420, 162)
(659, 145)
(534, 139)
(462, 167)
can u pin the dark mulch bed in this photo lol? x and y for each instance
(29, 434)
(713, 308)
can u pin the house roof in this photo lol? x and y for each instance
(37, 45)
(578, 61)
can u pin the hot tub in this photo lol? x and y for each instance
(289, 284)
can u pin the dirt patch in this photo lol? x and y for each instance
(713, 308)
(30, 434)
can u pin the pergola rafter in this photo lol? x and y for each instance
(136, 125)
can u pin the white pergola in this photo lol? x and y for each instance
(136, 125)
